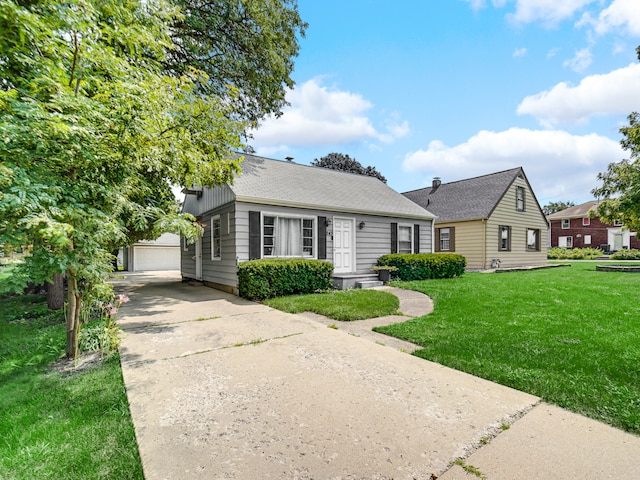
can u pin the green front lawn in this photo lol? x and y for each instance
(352, 304)
(570, 335)
(57, 424)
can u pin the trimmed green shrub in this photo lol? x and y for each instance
(424, 266)
(632, 254)
(267, 278)
(558, 253)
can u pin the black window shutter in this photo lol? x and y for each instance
(452, 239)
(322, 238)
(254, 235)
(394, 238)
(437, 240)
(416, 238)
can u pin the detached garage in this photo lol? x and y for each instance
(160, 254)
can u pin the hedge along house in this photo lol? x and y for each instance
(280, 209)
(493, 220)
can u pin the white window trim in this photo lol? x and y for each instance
(509, 238)
(314, 219)
(568, 220)
(448, 229)
(410, 226)
(524, 201)
(587, 239)
(213, 219)
(586, 221)
(537, 247)
(568, 241)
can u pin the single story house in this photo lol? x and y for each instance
(574, 228)
(145, 255)
(493, 220)
(280, 209)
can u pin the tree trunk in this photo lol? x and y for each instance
(73, 316)
(55, 292)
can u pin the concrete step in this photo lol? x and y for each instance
(369, 284)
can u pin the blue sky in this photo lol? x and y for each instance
(460, 88)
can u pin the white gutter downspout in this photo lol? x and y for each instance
(484, 244)
(433, 235)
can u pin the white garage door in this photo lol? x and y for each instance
(156, 258)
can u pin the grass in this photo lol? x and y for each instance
(346, 305)
(56, 424)
(570, 335)
(5, 271)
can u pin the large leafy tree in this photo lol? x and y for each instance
(247, 45)
(620, 187)
(94, 130)
(344, 163)
(554, 207)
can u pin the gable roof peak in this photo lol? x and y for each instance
(283, 183)
(466, 199)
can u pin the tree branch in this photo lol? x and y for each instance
(76, 49)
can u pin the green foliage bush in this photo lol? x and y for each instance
(99, 336)
(260, 279)
(632, 254)
(558, 253)
(424, 266)
(99, 331)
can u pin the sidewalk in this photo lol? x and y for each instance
(220, 387)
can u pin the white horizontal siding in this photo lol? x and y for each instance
(373, 241)
(187, 262)
(224, 270)
(211, 199)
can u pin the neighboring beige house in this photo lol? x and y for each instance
(493, 220)
(160, 254)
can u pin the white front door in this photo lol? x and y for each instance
(344, 245)
(198, 258)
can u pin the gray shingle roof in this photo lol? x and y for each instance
(470, 199)
(577, 211)
(276, 182)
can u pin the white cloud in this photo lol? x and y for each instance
(559, 165)
(476, 4)
(581, 61)
(519, 52)
(321, 116)
(546, 11)
(553, 52)
(623, 14)
(613, 93)
(619, 15)
(397, 130)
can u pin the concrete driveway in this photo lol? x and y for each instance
(223, 388)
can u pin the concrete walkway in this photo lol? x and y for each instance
(223, 388)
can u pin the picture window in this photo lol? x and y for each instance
(288, 236)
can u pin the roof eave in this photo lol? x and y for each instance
(267, 201)
(462, 220)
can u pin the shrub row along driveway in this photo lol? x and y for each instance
(220, 387)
